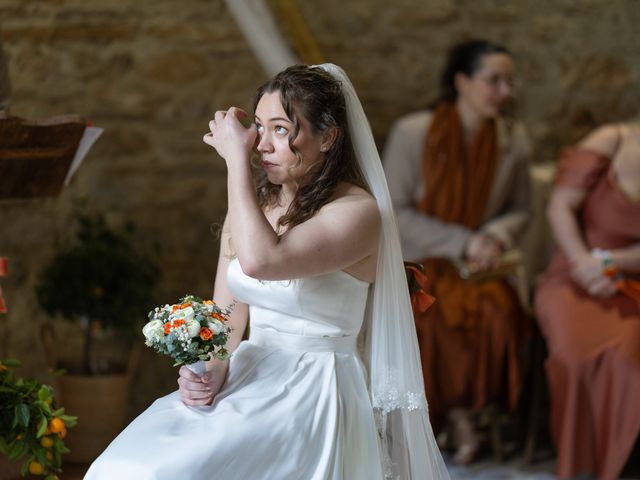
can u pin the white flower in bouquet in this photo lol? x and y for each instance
(153, 331)
(185, 314)
(216, 326)
(193, 327)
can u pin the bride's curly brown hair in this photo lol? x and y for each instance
(313, 94)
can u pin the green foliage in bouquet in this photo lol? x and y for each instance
(99, 277)
(31, 424)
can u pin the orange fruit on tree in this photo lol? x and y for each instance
(46, 442)
(62, 433)
(36, 468)
(56, 425)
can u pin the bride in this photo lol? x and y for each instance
(329, 385)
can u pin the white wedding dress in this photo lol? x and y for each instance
(295, 404)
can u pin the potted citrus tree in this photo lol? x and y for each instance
(100, 281)
(32, 425)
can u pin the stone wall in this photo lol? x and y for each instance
(152, 73)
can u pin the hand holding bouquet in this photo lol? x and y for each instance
(190, 331)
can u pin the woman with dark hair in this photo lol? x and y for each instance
(312, 258)
(588, 303)
(458, 176)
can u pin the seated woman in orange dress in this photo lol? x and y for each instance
(459, 178)
(588, 304)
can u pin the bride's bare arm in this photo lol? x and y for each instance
(196, 390)
(223, 296)
(343, 233)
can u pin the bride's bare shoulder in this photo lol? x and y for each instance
(350, 193)
(354, 200)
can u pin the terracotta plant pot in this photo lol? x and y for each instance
(100, 402)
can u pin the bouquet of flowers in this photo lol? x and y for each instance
(190, 331)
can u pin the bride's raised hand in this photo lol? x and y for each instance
(229, 136)
(200, 390)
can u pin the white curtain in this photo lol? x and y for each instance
(259, 28)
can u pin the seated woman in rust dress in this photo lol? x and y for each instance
(459, 179)
(588, 303)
